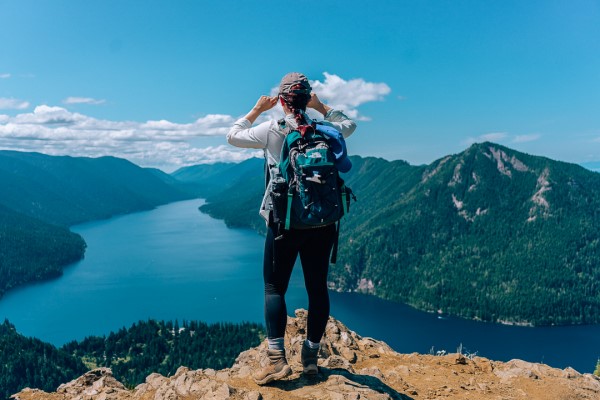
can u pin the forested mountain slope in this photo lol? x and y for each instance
(233, 191)
(208, 179)
(32, 250)
(163, 346)
(29, 362)
(41, 195)
(133, 353)
(490, 234)
(69, 190)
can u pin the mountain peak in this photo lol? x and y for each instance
(518, 179)
(506, 159)
(352, 367)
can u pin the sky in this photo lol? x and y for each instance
(161, 82)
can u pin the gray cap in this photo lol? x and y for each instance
(294, 79)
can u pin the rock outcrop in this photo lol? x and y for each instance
(352, 368)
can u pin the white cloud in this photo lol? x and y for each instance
(12, 104)
(343, 95)
(223, 153)
(4, 76)
(58, 131)
(172, 155)
(347, 95)
(82, 100)
(526, 138)
(155, 143)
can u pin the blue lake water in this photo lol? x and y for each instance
(176, 263)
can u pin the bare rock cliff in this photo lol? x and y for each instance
(352, 368)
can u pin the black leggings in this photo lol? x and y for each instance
(314, 247)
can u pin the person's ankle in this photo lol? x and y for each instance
(312, 345)
(276, 343)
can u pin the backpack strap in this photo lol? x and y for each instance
(344, 199)
(288, 212)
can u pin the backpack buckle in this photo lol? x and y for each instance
(315, 178)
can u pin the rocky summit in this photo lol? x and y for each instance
(352, 367)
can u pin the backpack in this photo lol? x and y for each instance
(306, 188)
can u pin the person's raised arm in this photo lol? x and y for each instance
(316, 104)
(263, 104)
(242, 134)
(334, 118)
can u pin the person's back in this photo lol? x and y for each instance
(312, 245)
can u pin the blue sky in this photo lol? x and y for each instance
(160, 82)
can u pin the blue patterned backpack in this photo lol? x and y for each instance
(307, 190)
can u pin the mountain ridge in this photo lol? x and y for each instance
(207, 179)
(64, 190)
(490, 234)
(458, 226)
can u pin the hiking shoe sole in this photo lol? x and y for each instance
(285, 371)
(310, 370)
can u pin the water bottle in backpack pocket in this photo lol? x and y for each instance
(278, 193)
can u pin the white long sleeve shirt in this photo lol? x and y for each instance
(269, 136)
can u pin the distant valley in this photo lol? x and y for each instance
(41, 196)
(490, 233)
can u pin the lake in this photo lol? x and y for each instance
(174, 262)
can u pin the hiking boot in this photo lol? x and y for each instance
(309, 360)
(276, 368)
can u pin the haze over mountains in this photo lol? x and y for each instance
(490, 233)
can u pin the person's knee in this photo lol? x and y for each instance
(272, 289)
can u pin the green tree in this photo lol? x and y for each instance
(158, 346)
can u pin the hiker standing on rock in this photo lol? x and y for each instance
(282, 248)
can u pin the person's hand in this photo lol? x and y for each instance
(316, 104)
(314, 101)
(265, 103)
